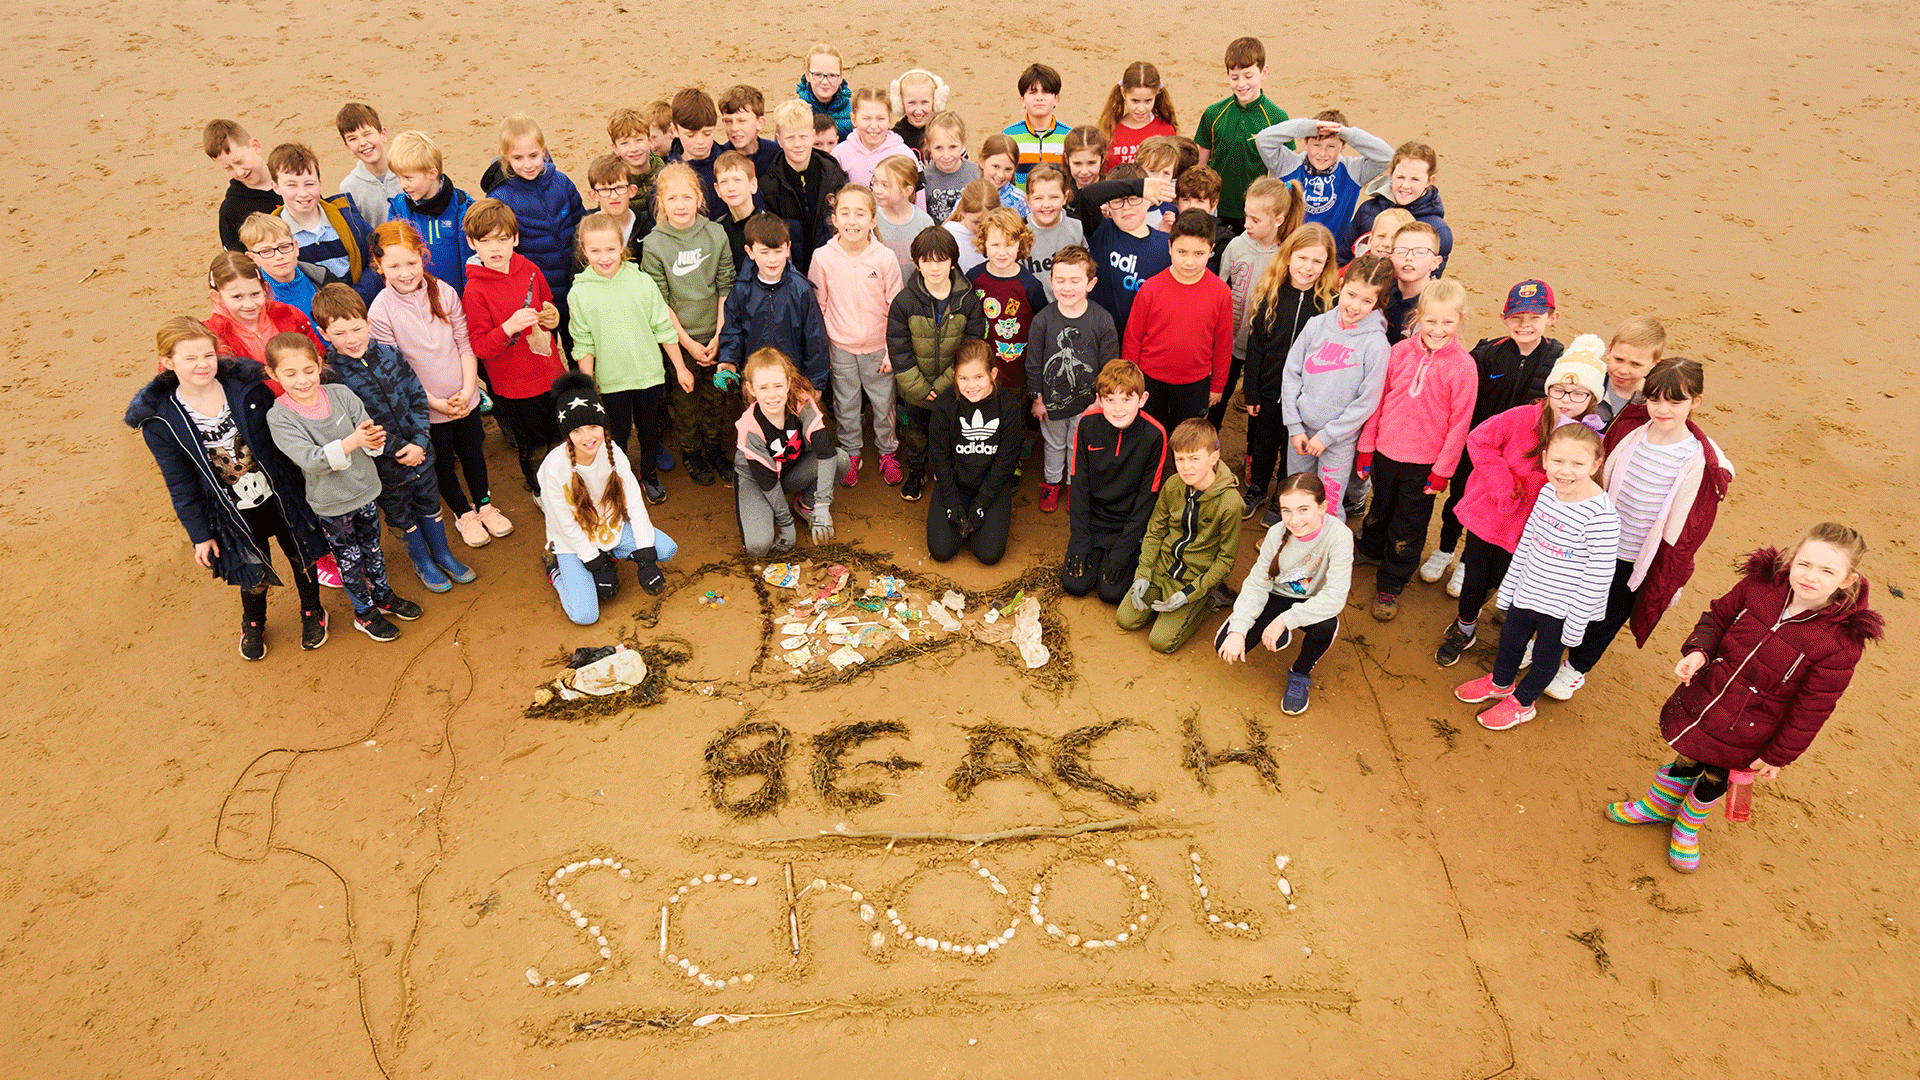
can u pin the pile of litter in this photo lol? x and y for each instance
(825, 618)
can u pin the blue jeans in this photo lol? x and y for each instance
(574, 582)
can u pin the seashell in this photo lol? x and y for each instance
(866, 912)
(533, 977)
(693, 883)
(673, 899)
(615, 865)
(1135, 927)
(1143, 892)
(984, 872)
(593, 862)
(878, 940)
(819, 883)
(747, 978)
(1304, 951)
(580, 979)
(1054, 930)
(1280, 862)
(919, 942)
(1195, 856)
(553, 881)
(1122, 868)
(753, 881)
(1145, 918)
(1036, 889)
(580, 920)
(1293, 907)
(946, 946)
(1213, 918)
(1203, 892)
(726, 877)
(708, 878)
(672, 959)
(1286, 889)
(602, 939)
(1242, 926)
(892, 915)
(1090, 944)
(966, 950)
(684, 963)
(593, 931)
(681, 891)
(706, 980)
(974, 864)
(1109, 862)
(733, 981)
(997, 887)
(564, 906)
(901, 929)
(792, 642)
(1121, 936)
(932, 945)
(1037, 917)
(606, 953)
(693, 969)
(626, 873)
(1073, 939)
(855, 897)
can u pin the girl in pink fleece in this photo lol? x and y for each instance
(1412, 442)
(421, 316)
(1507, 477)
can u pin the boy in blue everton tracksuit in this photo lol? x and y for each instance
(1330, 184)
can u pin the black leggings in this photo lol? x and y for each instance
(1217, 412)
(456, 450)
(1450, 527)
(1711, 782)
(1315, 639)
(1266, 439)
(1521, 627)
(989, 541)
(1486, 566)
(266, 525)
(530, 422)
(628, 408)
(1620, 599)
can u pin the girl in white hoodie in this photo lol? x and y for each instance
(1299, 581)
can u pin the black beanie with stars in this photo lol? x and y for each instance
(576, 403)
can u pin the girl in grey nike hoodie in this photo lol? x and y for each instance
(1334, 375)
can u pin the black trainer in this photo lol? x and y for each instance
(722, 465)
(253, 639)
(313, 628)
(398, 608)
(375, 625)
(1255, 496)
(1457, 642)
(698, 470)
(910, 487)
(656, 491)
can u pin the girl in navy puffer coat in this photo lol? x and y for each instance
(545, 204)
(1761, 673)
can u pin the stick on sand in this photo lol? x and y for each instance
(1024, 832)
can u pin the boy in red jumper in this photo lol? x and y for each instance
(1413, 440)
(1181, 329)
(510, 318)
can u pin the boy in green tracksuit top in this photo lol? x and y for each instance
(1192, 540)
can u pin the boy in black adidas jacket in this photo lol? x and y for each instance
(1113, 478)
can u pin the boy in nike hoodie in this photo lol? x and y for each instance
(1113, 477)
(1190, 545)
(1334, 371)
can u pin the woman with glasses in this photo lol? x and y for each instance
(1507, 478)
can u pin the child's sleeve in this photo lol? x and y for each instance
(1039, 340)
(725, 272)
(890, 280)
(1257, 586)
(457, 316)
(1363, 413)
(1146, 493)
(1106, 338)
(1705, 637)
(637, 515)
(819, 358)
(1464, 388)
(1088, 200)
(1601, 547)
(733, 332)
(1812, 703)
(1226, 554)
(1143, 312)
(484, 335)
(1222, 339)
(413, 396)
(976, 315)
(653, 265)
(1271, 144)
(659, 319)
(580, 325)
(1079, 517)
(301, 447)
(906, 372)
(182, 479)
(380, 324)
(1008, 456)
(1036, 294)
(1374, 152)
(946, 491)
(1491, 471)
(1155, 534)
(817, 277)
(1255, 358)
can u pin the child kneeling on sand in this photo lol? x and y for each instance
(1191, 541)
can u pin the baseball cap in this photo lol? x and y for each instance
(1530, 295)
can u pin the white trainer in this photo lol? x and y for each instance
(1565, 682)
(1458, 580)
(1436, 565)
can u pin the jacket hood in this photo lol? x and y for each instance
(591, 278)
(1223, 482)
(1427, 205)
(148, 399)
(1853, 618)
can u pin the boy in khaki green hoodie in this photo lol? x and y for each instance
(1192, 540)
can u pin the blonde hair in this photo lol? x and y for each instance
(1158, 152)
(1008, 222)
(873, 94)
(979, 195)
(179, 330)
(1850, 543)
(626, 124)
(1585, 436)
(1642, 332)
(1000, 145)
(580, 500)
(897, 89)
(279, 346)
(823, 49)
(1284, 198)
(260, 227)
(903, 170)
(1393, 215)
(858, 191)
(517, 127)
(948, 121)
(1278, 272)
(678, 172)
(413, 152)
(1445, 292)
(792, 114)
(595, 223)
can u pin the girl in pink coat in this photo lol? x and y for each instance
(1759, 675)
(1507, 477)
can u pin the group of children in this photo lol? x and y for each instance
(1095, 292)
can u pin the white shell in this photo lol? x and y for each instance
(708, 878)
(684, 963)
(1054, 930)
(593, 862)
(606, 953)
(892, 915)
(672, 959)
(1122, 868)
(819, 883)
(734, 981)
(974, 864)
(726, 877)
(693, 969)
(693, 883)
(626, 873)
(1280, 861)
(1195, 856)
(594, 931)
(1293, 907)
(966, 950)
(1304, 951)
(747, 978)
(580, 979)
(580, 920)
(533, 977)
(1073, 939)
(919, 942)
(1213, 918)
(602, 940)
(753, 881)
(878, 940)
(866, 912)
(855, 897)
(1286, 889)
(946, 946)
(1121, 936)
(1037, 918)
(1091, 944)
(1203, 892)
(1109, 862)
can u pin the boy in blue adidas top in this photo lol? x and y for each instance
(1329, 183)
(429, 201)
(1126, 251)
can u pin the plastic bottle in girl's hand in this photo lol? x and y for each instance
(1739, 794)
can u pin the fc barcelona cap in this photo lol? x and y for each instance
(1530, 295)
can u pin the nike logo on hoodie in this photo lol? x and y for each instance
(1329, 357)
(688, 261)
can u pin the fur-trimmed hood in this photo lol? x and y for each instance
(146, 402)
(1853, 618)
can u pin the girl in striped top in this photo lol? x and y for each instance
(1559, 579)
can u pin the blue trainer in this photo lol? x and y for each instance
(1295, 701)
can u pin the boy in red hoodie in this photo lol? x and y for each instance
(510, 319)
(1416, 434)
(1180, 331)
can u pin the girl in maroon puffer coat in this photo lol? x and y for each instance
(1761, 672)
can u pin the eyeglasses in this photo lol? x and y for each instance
(1130, 202)
(1572, 394)
(286, 247)
(1412, 253)
(824, 76)
(610, 192)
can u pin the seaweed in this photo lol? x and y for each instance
(829, 765)
(1070, 764)
(767, 760)
(980, 766)
(1201, 762)
(661, 656)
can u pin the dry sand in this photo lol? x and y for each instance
(1731, 170)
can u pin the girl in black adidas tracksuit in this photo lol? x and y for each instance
(974, 444)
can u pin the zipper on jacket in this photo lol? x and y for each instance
(1751, 653)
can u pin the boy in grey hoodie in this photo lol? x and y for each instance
(1334, 375)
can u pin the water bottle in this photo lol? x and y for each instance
(1739, 794)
